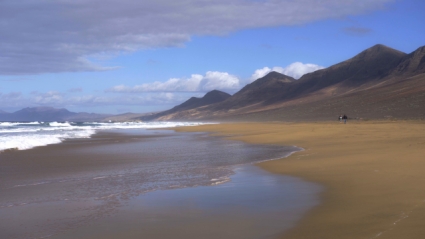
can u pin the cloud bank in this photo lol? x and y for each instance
(61, 35)
(212, 80)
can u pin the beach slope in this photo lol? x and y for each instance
(373, 174)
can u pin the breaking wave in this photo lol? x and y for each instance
(24, 135)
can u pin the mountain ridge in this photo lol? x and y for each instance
(212, 97)
(386, 72)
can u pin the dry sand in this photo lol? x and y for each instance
(373, 173)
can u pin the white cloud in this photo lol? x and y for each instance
(295, 70)
(149, 99)
(11, 99)
(298, 69)
(260, 73)
(212, 80)
(59, 36)
(48, 98)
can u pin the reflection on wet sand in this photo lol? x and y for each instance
(55, 190)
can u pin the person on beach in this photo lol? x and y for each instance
(340, 119)
(345, 118)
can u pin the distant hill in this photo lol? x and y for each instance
(380, 82)
(210, 98)
(127, 116)
(49, 114)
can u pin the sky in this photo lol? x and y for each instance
(110, 56)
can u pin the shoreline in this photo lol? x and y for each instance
(83, 166)
(371, 172)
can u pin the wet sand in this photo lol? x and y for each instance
(149, 184)
(373, 174)
(254, 204)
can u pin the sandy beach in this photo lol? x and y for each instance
(372, 172)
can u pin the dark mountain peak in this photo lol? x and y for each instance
(378, 51)
(420, 49)
(418, 54)
(273, 75)
(215, 94)
(193, 98)
(261, 90)
(372, 64)
(413, 63)
(271, 80)
(380, 47)
(212, 97)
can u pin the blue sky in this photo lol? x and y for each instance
(110, 64)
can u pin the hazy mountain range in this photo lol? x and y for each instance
(378, 83)
(49, 114)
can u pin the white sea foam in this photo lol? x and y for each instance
(28, 141)
(220, 180)
(21, 136)
(6, 124)
(31, 123)
(66, 124)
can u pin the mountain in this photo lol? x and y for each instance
(412, 64)
(127, 116)
(3, 112)
(261, 90)
(49, 114)
(41, 114)
(83, 116)
(209, 98)
(380, 82)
